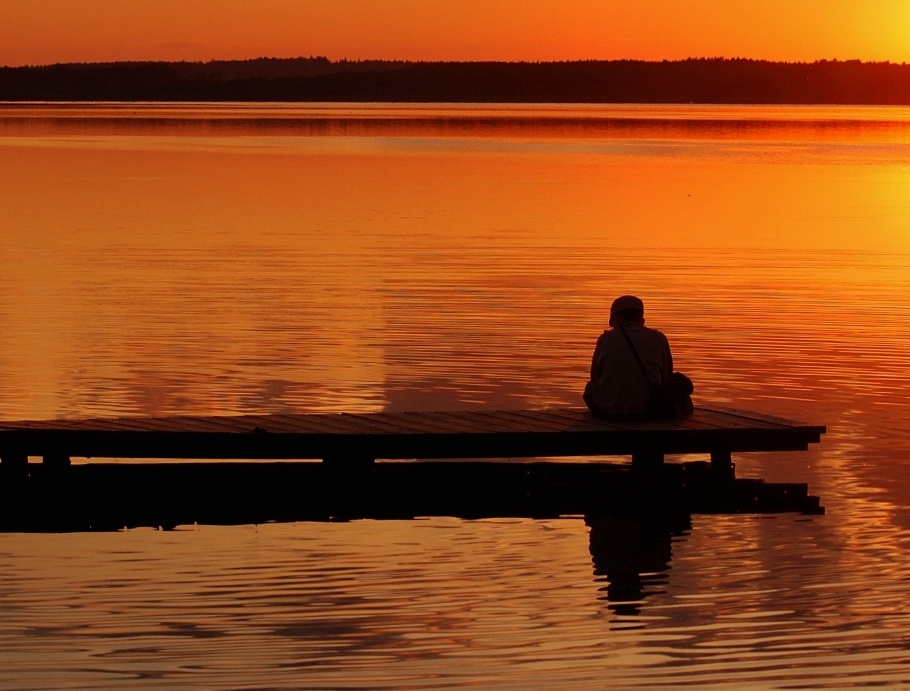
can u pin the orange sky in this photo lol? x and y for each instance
(47, 31)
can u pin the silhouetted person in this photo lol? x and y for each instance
(632, 369)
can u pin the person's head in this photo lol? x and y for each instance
(627, 309)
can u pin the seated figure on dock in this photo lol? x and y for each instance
(632, 369)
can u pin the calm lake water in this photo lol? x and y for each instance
(257, 258)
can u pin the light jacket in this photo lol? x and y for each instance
(618, 387)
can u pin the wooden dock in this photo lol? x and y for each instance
(349, 483)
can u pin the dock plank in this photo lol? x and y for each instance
(406, 424)
(456, 423)
(570, 423)
(532, 423)
(474, 423)
(752, 417)
(229, 425)
(269, 424)
(377, 425)
(560, 424)
(317, 424)
(578, 421)
(727, 421)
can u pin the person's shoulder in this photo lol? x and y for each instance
(651, 330)
(656, 334)
(660, 337)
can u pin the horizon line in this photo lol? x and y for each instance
(345, 60)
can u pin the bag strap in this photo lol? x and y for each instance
(635, 353)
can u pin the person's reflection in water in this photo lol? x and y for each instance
(632, 554)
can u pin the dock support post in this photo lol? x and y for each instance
(647, 460)
(56, 461)
(14, 465)
(349, 461)
(349, 468)
(722, 463)
(349, 490)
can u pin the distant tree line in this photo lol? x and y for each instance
(713, 80)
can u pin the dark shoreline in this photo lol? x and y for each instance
(702, 81)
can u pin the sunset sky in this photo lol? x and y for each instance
(48, 31)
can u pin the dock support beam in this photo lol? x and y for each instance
(349, 461)
(14, 465)
(722, 463)
(349, 466)
(647, 460)
(56, 461)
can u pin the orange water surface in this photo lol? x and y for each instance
(162, 259)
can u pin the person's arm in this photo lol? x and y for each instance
(668, 361)
(595, 359)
